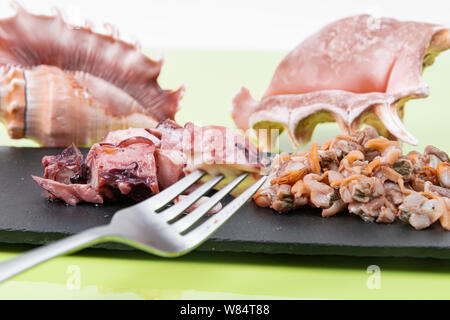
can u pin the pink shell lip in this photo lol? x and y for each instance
(108, 74)
(337, 76)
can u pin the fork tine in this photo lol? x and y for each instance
(161, 199)
(179, 207)
(186, 222)
(206, 229)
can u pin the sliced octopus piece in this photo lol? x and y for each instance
(220, 150)
(69, 193)
(136, 163)
(128, 166)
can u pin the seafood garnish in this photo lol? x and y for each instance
(61, 83)
(365, 173)
(136, 163)
(350, 72)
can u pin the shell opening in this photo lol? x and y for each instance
(268, 133)
(305, 127)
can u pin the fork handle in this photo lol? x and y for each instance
(36, 256)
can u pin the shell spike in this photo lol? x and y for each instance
(176, 96)
(343, 125)
(17, 6)
(243, 106)
(88, 24)
(111, 30)
(441, 41)
(137, 45)
(158, 56)
(388, 115)
(59, 14)
(134, 41)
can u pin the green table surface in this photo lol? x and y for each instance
(211, 78)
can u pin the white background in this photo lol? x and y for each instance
(228, 24)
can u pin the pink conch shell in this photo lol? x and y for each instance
(61, 84)
(352, 72)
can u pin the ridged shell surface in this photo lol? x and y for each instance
(61, 83)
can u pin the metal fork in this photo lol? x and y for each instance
(165, 233)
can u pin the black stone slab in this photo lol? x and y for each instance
(27, 217)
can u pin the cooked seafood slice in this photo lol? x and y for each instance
(136, 163)
(68, 167)
(128, 168)
(69, 193)
(170, 159)
(366, 174)
(117, 137)
(169, 166)
(121, 166)
(348, 72)
(68, 84)
(214, 149)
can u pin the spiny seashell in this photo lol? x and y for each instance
(61, 84)
(353, 71)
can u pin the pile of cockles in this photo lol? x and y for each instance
(366, 174)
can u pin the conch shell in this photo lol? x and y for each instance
(354, 71)
(61, 84)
